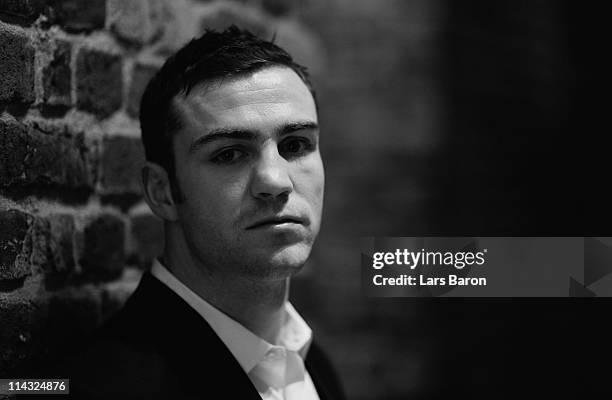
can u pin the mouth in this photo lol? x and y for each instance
(277, 221)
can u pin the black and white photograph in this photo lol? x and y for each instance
(302, 200)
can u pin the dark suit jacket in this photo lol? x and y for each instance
(158, 347)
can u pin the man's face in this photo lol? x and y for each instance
(249, 167)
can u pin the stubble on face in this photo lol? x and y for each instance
(252, 172)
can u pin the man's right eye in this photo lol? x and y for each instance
(228, 156)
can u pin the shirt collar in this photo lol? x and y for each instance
(248, 348)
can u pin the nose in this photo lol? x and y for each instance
(271, 176)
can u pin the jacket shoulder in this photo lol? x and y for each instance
(114, 364)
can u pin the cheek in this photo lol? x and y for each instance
(312, 183)
(318, 177)
(220, 204)
(213, 189)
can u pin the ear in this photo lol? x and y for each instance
(157, 192)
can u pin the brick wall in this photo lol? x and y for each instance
(75, 234)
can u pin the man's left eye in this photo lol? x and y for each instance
(294, 147)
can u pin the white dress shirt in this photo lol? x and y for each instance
(277, 371)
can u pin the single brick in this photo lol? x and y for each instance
(29, 157)
(24, 254)
(225, 16)
(170, 28)
(56, 76)
(147, 238)
(14, 227)
(120, 163)
(77, 15)
(21, 11)
(16, 65)
(61, 244)
(102, 250)
(134, 20)
(141, 75)
(99, 82)
(37, 246)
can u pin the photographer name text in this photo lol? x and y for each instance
(433, 260)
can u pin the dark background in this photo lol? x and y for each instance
(504, 156)
(439, 118)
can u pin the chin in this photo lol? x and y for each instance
(282, 263)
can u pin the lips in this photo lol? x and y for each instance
(277, 220)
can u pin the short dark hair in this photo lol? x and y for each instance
(214, 55)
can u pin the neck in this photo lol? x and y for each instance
(258, 305)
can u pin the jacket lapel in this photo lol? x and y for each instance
(323, 375)
(199, 361)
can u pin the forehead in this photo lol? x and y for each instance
(270, 96)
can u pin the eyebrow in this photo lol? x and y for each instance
(245, 134)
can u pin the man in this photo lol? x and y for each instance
(229, 126)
